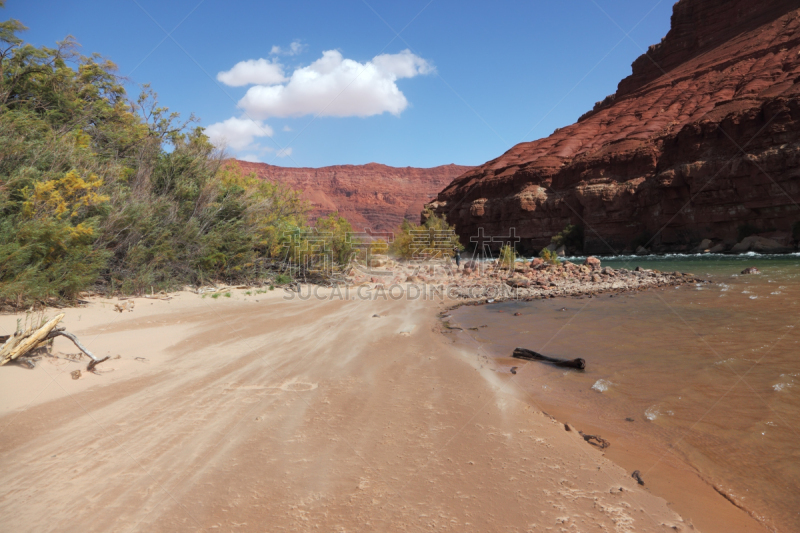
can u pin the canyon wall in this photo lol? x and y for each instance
(372, 196)
(702, 141)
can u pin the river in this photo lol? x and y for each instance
(706, 374)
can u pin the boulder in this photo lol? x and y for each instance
(592, 262)
(751, 270)
(762, 245)
(704, 245)
(518, 283)
(719, 248)
(641, 250)
(536, 262)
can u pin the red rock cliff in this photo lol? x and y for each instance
(373, 196)
(702, 141)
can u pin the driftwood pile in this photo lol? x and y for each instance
(22, 343)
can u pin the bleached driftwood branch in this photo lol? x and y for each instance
(20, 343)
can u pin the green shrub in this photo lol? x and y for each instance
(507, 256)
(434, 238)
(549, 256)
(281, 279)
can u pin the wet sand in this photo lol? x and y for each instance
(250, 415)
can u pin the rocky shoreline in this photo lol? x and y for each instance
(490, 282)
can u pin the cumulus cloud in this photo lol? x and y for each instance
(253, 72)
(237, 133)
(338, 87)
(295, 48)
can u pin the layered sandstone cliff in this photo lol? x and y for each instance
(372, 196)
(702, 141)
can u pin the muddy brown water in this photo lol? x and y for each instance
(707, 375)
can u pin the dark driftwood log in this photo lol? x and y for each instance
(530, 355)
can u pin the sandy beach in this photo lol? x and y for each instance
(253, 413)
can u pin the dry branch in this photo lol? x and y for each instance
(23, 342)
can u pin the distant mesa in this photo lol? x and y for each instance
(373, 196)
(700, 144)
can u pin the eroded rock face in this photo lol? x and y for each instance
(371, 196)
(698, 147)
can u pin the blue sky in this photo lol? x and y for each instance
(462, 83)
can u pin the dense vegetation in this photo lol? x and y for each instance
(434, 237)
(100, 191)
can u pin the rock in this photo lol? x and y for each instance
(751, 270)
(719, 248)
(518, 283)
(592, 262)
(536, 262)
(377, 262)
(704, 245)
(471, 265)
(761, 245)
(641, 250)
(632, 163)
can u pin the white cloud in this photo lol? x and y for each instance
(284, 152)
(237, 133)
(253, 72)
(338, 87)
(295, 48)
(287, 128)
(402, 65)
(250, 158)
